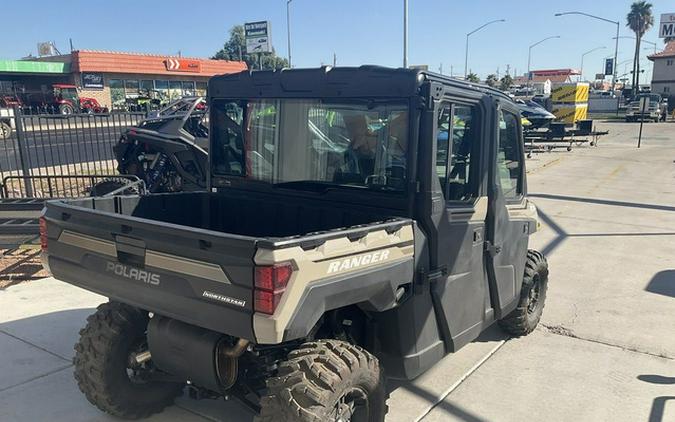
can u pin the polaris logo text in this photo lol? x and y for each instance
(357, 261)
(133, 273)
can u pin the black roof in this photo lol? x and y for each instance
(375, 81)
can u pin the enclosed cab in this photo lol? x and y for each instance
(358, 223)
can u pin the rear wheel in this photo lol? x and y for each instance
(5, 130)
(106, 369)
(524, 319)
(326, 381)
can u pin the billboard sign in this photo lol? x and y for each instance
(183, 65)
(92, 80)
(609, 66)
(258, 37)
(667, 25)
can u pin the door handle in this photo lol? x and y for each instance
(477, 235)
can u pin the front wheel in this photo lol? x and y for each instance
(524, 319)
(326, 381)
(66, 109)
(106, 368)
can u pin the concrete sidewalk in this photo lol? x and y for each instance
(39, 325)
(605, 350)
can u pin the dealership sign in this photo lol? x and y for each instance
(667, 25)
(258, 37)
(92, 80)
(183, 65)
(609, 66)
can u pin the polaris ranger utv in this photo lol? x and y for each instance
(359, 223)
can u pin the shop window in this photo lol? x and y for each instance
(201, 89)
(117, 93)
(162, 90)
(131, 88)
(146, 88)
(175, 90)
(188, 88)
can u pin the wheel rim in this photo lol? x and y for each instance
(4, 132)
(533, 295)
(351, 407)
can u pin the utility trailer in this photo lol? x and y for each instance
(558, 135)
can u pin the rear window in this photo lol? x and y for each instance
(309, 142)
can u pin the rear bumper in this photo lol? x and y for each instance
(173, 297)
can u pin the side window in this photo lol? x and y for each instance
(442, 137)
(509, 157)
(464, 132)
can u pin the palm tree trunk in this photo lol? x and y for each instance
(635, 58)
(637, 73)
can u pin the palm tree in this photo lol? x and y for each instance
(472, 77)
(639, 20)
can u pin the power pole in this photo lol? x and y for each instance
(440, 69)
(405, 33)
(334, 60)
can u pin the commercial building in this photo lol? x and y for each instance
(663, 76)
(113, 78)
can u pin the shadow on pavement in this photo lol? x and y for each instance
(444, 405)
(659, 403)
(561, 234)
(602, 201)
(663, 283)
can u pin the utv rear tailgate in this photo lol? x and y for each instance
(198, 276)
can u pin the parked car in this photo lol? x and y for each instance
(654, 111)
(537, 115)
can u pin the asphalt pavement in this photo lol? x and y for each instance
(58, 145)
(604, 351)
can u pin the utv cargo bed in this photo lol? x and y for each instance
(192, 256)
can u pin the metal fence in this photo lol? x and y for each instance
(51, 155)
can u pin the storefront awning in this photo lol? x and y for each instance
(25, 66)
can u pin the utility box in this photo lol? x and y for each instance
(570, 113)
(570, 93)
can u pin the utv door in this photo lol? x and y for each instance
(507, 233)
(460, 294)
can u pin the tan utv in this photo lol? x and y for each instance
(359, 224)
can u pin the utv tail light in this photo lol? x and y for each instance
(270, 284)
(43, 233)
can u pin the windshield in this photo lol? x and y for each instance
(309, 143)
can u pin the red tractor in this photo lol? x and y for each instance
(66, 100)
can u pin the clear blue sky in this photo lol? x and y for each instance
(357, 31)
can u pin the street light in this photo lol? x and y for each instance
(616, 45)
(288, 29)
(466, 49)
(405, 34)
(632, 38)
(581, 71)
(529, 57)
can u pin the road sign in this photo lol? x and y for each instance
(667, 25)
(258, 37)
(609, 66)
